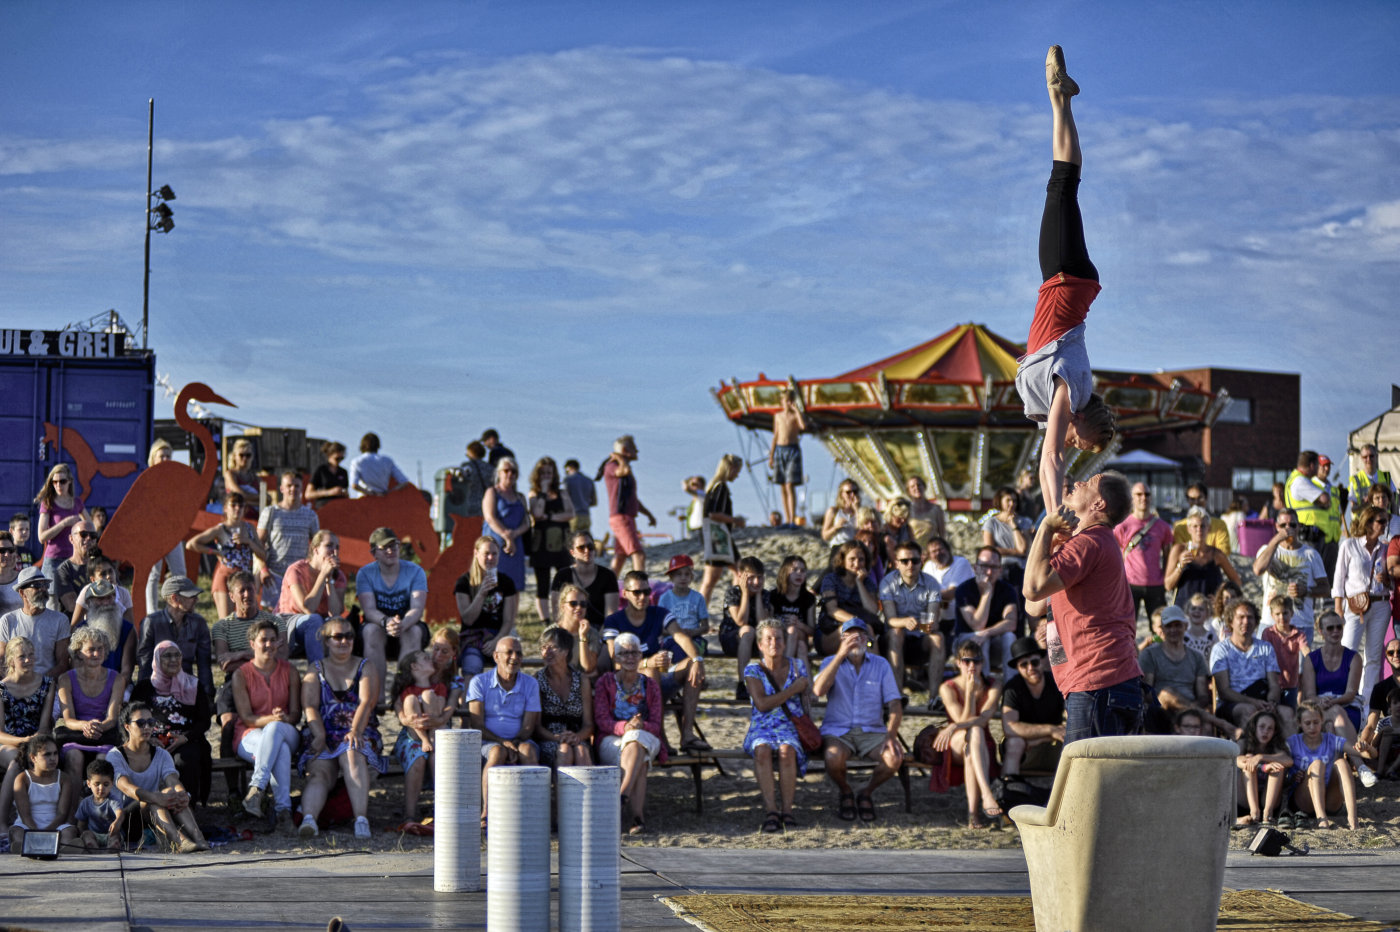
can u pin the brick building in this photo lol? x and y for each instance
(1253, 443)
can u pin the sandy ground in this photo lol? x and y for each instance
(733, 808)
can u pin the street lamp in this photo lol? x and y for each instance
(158, 218)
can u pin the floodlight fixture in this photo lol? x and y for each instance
(165, 193)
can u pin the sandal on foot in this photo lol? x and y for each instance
(1055, 77)
(774, 823)
(696, 746)
(788, 820)
(638, 826)
(1285, 820)
(866, 806)
(847, 810)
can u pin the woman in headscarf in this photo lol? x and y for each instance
(182, 713)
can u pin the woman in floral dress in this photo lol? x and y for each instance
(770, 727)
(339, 694)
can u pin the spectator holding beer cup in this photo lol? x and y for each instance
(910, 599)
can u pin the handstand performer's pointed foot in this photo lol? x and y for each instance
(1055, 77)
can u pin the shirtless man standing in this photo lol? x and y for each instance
(785, 453)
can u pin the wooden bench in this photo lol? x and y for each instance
(697, 762)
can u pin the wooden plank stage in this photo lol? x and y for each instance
(218, 891)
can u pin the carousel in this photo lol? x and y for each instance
(947, 410)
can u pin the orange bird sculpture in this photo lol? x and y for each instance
(161, 504)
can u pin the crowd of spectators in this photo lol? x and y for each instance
(106, 717)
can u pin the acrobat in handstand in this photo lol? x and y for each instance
(1054, 378)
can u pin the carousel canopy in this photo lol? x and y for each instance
(947, 410)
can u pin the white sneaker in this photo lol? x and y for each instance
(362, 827)
(1366, 775)
(309, 828)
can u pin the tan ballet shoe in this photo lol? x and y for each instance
(1055, 77)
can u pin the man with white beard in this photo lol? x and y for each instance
(863, 713)
(104, 614)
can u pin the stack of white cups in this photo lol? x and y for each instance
(590, 876)
(517, 848)
(457, 811)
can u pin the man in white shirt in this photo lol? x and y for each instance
(1287, 566)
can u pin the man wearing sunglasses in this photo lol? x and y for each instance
(70, 576)
(1032, 712)
(1287, 566)
(1076, 567)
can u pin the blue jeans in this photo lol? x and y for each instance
(473, 662)
(303, 637)
(269, 749)
(1098, 713)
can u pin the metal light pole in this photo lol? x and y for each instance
(146, 279)
(161, 220)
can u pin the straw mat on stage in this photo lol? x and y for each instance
(1240, 911)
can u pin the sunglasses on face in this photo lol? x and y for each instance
(144, 724)
(905, 561)
(1332, 627)
(969, 660)
(584, 547)
(629, 653)
(340, 636)
(576, 603)
(646, 592)
(989, 566)
(87, 535)
(6, 550)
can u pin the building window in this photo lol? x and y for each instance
(1247, 479)
(1238, 411)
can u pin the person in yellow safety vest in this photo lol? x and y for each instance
(1331, 519)
(1309, 501)
(1359, 486)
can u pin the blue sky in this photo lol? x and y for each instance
(572, 220)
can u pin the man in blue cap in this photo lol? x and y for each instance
(863, 713)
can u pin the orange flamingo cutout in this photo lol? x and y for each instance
(85, 462)
(160, 506)
(355, 519)
(452, 563)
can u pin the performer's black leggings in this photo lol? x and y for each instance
(1062, 246)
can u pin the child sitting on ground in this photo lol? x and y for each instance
(100, 816)
(1317, 755)
(1263, 752)
(42, 796)
(416, 693)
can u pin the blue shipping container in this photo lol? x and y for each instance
(93, 414)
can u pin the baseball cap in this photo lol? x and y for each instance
(178, 585)
(382, 537)
(854, 623)
(1173, 613)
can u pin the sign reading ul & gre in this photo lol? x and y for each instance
(70, 344)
